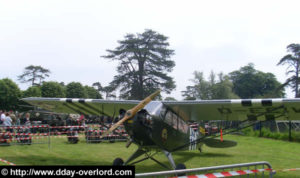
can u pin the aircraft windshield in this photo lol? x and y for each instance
(154, 107)
(176, 122)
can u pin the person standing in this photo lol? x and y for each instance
(13, 117)
(27, 119)
(18, 119)
(7, 121)
(2, 117)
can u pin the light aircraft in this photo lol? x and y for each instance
(162, 125)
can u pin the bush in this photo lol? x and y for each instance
(266, 133)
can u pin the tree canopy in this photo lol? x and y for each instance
(209, 89)
(144, 61)
(9, 94)
(251, 83)
(107, 90)
(292, 60)
(34, 74)
(33, 91)
(52, 89)
(92, 92)
(75, 90)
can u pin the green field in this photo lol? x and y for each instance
(280, 154)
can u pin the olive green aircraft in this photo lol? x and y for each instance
(156, 126)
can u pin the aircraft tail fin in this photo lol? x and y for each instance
(215, 143)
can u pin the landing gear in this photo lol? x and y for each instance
(118, 162)
(148, 155)
(180, 166)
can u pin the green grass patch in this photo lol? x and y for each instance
(295, 136)
(280, 154)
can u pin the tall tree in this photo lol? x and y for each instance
(9, 94)
(75, 90)
(33, 91)
(107, 91)
(144, 61)
(92, 92)
(211, 89)
(200, 89)
(34, 74)
(52, 89)
(251, 83)
(293, 62)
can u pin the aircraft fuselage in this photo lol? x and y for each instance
(158, 126)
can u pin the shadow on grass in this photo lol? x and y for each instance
(50, 160)
(179, 157)
(195, 154)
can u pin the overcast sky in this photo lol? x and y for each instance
(68, 37)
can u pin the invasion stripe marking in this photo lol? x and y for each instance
(69, 100)
(81, 100)
(75, 100)
(278, 100)
(246, 103)
(236, 101)
(266, 102)
(256, 101)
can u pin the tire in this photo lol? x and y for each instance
(179, 167)
(118, 162)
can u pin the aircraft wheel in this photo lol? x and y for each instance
(180, 166)
(118, 162)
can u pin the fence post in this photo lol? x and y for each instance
(260, 129)
(290, 131)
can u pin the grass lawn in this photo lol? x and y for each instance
(280, 154)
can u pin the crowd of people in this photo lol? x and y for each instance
(10, 118)
(14, 118)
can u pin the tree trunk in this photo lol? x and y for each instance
(141, 78)
(296, 82)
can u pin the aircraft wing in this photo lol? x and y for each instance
(82, 106)
(237, 109)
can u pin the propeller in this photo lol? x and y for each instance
(131, 112)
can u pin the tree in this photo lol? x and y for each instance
(170, 99)
(143, 65)
(75, 90)
(9, 94)
(33, 91)
(293, 62)
(108, 90)
(211, 89)
(92, 92)
(251, 83)
(52, 89)
(34, 74)
(200, 89)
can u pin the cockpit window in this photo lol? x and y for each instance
(176, 122)
(168, 118)
(163, 112)
(182, 126)
(171, 119)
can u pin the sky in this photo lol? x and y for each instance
(69, 37)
